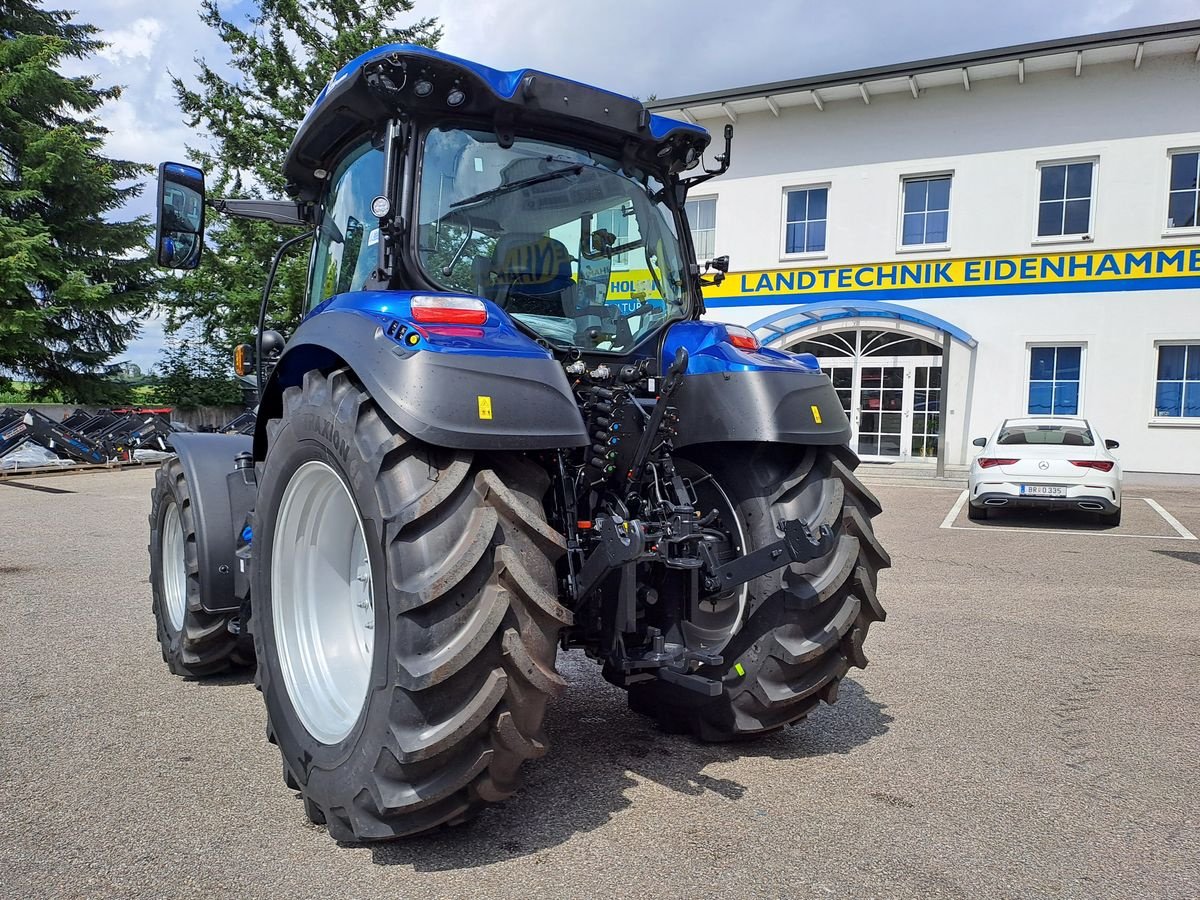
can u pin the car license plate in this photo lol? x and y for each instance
(1043, 490)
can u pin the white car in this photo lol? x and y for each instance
(1048, 462)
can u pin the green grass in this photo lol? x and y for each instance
(19, 392)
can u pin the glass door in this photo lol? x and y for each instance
(889, 384)
(880, 412)
(926, 410)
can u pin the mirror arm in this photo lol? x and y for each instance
(262, 306)
(281, 212)
(723, 162)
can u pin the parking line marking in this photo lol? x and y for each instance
(1170, 519)
(1183, 533)
(1107, 534)
(948, 522)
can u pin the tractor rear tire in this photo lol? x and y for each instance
(195, 643)
(805, 624)
(460, 571)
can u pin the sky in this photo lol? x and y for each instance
(665, 48)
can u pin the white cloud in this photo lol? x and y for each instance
(138, 39)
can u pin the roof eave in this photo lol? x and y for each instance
(935, 64)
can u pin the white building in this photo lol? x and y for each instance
(1016, 228)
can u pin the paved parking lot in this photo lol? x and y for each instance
(1029, 726)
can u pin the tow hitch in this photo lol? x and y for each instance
(625, 544)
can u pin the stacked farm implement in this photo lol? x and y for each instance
(83, 438)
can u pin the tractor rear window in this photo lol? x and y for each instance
(563, 240)
(1064, 435)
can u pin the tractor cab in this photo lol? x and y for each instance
(558, 203)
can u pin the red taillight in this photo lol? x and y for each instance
(1102, 465)
(742, 338)
(448, 310)
(986, 462)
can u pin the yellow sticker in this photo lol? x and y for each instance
(485, 407)
(737, 667)
(816, 413)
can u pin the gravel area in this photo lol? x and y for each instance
(1029, 726)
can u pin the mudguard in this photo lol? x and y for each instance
(732, 393)
(487, 397)
(768, 406)
(207, 459)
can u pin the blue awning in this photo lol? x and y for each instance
(774, 327)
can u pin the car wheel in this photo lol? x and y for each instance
(976, 513)
(1112, 519)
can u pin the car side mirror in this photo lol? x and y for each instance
(980, 442)
(721, 264)
(1111, 444)
(179, 231)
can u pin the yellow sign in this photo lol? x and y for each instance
(816, 414)
(485, 407)
(1138, 269)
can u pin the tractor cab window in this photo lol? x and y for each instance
(565, 241)
(347, 248)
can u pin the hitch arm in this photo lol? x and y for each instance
(799, 544)
(621, 544)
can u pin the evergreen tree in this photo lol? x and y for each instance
(194, 373)
(71, 283)
(283, 57)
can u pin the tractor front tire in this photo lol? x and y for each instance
(805, 624)
(459, 564)
(195, 643)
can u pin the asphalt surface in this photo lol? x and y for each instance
(1029, 726)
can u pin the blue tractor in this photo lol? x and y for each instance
(503, 429)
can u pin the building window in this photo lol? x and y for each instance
(1184, 197)
(1055, 375)
(702, 218)
(804, 219)
(926, 217)
(1177, 385)
(1065, 199)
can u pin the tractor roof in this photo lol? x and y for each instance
(403, 78)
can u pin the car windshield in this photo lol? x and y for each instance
(1064, 435)
(563, 240)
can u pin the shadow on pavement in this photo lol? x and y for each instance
(1038, 519)
(243, 675)
(596, 745)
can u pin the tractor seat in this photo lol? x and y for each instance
(532, 275)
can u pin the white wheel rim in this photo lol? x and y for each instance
(322, 602)
(173, 564)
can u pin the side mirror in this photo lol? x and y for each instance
(1111, 444)
(179, 234)
(721, 265)
(980, 442)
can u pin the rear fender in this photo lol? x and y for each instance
(487, 397)
(760, 396)
(219, 511)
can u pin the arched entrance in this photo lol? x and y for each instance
(890, 385)
(890, 365)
